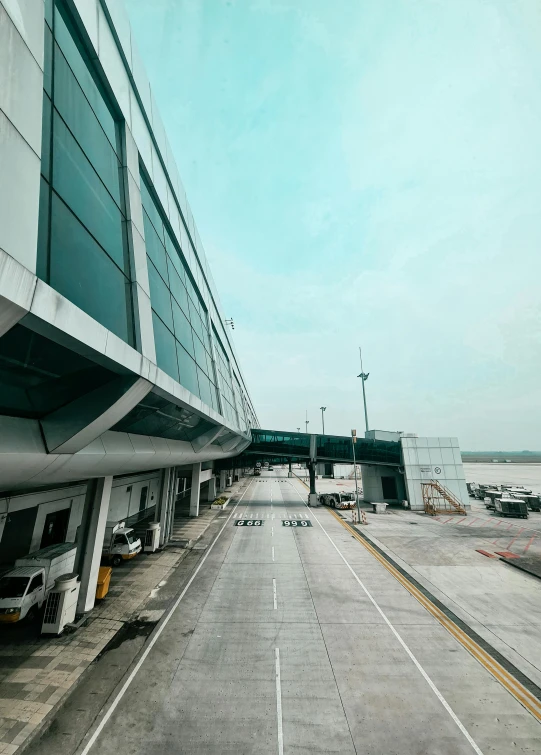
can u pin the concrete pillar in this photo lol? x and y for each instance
(223, 477)
(211, 489)
(196, 486)
(171, 504)
(90, 540)
(290, 471)
(312, 498)
(162, 510)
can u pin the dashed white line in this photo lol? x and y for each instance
(421, 670)
(153, 640)
(279, 702)
(273, 552)
(274, 594)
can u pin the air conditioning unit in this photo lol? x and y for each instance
(61, 604)
(152, 538)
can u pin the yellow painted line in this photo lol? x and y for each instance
(512, 685)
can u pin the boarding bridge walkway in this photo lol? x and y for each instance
(279, 447)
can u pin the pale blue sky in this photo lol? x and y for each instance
(366, 173)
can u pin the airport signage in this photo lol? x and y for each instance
(249, 523)
(296, 523)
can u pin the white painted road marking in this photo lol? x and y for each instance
(273, 552)
(425, 676)
(279, 702)
(153, 640)
(274, 594)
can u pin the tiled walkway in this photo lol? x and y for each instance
(36, 672)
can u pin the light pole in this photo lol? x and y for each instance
(353, 441)
(364, 378)
(306, 421)
(298, 429)
(323, 417)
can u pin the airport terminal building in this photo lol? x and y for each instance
(118, 376)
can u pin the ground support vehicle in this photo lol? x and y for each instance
(24, 589)
(257, 472)
(490, 497)
(120, 543)
(339, 500)
(533, 502)
(511, 507)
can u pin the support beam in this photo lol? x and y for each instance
(290, 470)
(196, 489)
(72, 427)
(90, 539)
(207, 438)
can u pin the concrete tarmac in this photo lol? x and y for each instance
(292, 638)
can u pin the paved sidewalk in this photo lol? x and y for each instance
(37, 673)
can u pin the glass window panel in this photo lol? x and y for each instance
(215, 402)
(84, 274)
(166, 355)
(206, 337)
(170, 245)
(79, 185)
(160, 298)
(187, 371)
(152, 210)
(49, 12)
(191, 291)
(94, 95)
(155, 248)
(46, 139)
(200, 353)
(43, 231)
(48, 61)
(204, 387)
(177, 287)
(178, 264)
(183, 329)
(210, 370)
(71, 103)
(196, 320)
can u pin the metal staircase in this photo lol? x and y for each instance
(438, 499)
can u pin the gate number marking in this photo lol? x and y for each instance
(249, 523)
(296, 523)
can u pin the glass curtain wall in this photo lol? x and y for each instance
(181, 334)
(82, 249)
(228, 400)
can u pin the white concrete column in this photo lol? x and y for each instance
(212, 489)
(162, 510)
(90, 545)
(223, 477)
(196, 487)
(171, 504)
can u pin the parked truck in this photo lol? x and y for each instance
(120, 543)
(339, 500)
(24, 589)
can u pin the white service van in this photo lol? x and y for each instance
(22, 592)
(24, 589)
(120, 543)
